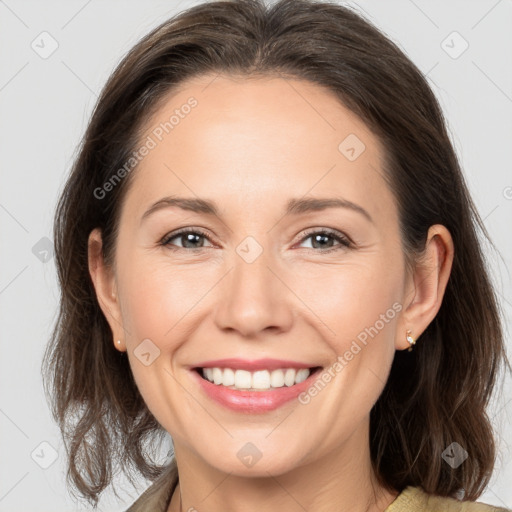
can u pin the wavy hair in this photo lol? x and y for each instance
(435, 395)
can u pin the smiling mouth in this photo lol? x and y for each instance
(260, 380)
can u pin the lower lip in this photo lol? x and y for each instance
(254, 401)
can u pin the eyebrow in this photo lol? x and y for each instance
(293, 206)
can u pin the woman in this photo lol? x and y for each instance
(308, 159)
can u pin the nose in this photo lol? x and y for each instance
(254, 299)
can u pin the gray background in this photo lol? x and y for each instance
(45, 105)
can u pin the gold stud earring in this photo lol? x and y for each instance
(410, 339)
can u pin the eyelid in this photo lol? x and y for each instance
(344, 241)
(191, 229)
(330, 231)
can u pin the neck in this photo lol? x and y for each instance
(341, 480)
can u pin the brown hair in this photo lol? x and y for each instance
(436, 394)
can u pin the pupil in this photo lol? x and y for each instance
(318, 237)
(190, 238)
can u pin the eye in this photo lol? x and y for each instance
(191, 237)
(321, 239)
(188, 237)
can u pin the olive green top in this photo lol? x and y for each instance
(412, 499)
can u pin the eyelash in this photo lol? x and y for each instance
(344, 242)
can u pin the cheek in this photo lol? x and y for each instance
(156, 304)
(158, 298)
(358, 302)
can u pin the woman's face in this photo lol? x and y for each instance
(258, 279)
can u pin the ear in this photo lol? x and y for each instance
(425, 288)
(104, 282)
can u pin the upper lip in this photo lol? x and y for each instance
(254, 365)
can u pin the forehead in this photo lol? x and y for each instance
(259, 106)
(257, 137)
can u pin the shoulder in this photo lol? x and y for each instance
(158, 495)
(414, 499)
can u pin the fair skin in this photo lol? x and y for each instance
(250, 146)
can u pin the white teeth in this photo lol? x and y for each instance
(228, 378)
(277, 379)
(302, 375)
(289, 377)
(261, 379)
(217, 376)
(242, 379)
(255, 381)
